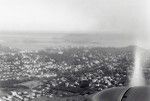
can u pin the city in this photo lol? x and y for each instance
(63, 72)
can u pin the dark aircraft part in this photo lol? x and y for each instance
(123, 94)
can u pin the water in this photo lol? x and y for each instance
(137, 76)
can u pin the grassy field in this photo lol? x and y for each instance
(73, 98)
(31, 84)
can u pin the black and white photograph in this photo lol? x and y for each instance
(74, 50)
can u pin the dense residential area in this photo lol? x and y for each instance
(61, 73)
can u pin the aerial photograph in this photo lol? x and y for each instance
(74, 50)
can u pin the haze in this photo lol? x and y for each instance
(75, 16)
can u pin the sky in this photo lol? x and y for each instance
(76, 16)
